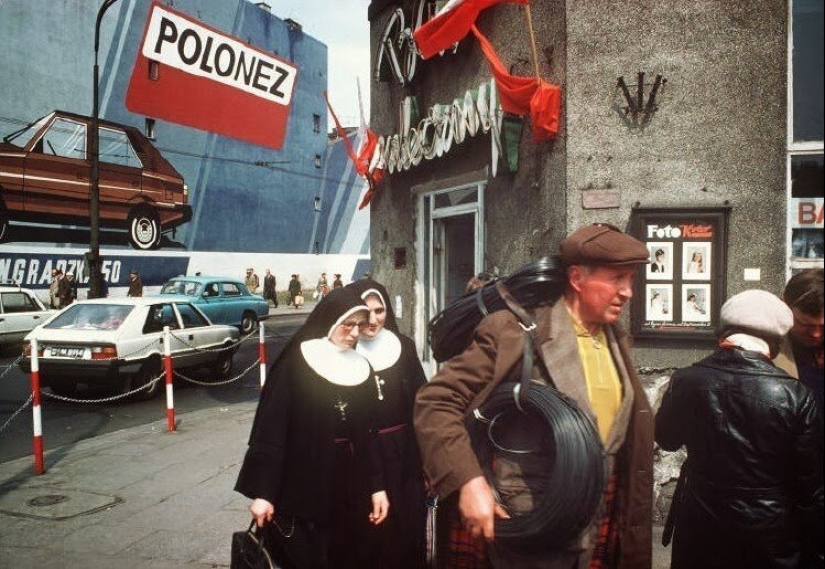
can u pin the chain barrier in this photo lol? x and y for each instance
(217, 383)
(144, 387)
(16, 413)
(11, 365)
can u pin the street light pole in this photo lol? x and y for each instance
(93, 260)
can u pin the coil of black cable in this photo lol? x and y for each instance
(575, 486)
(539, 282)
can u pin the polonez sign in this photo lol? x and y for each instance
(191, 74)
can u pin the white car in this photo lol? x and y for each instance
(118, 343)
(20, 311)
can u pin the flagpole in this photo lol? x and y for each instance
(532, 41)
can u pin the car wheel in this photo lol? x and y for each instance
(144, 228)
(248, 322)
(148, 371)
(223, 365)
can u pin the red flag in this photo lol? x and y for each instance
(525, 95)
(451, 24)
(367, 162)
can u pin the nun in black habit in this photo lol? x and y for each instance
(312, 443)
(397, 375)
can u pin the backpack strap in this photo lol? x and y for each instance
(530, 346)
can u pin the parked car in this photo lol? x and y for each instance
(118, 343)
(45, 177)
(223, 300)
(20, 311)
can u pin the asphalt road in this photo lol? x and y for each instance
(66, 423)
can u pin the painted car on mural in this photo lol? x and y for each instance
(223, 300)
(117, 343)
(45, 177)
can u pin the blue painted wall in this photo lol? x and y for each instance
(245, 198)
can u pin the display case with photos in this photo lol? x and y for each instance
(682, 287)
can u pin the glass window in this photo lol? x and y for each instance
(806, 207)
(18, 302)
(65, 138)
(91, 317)
(115, 148)
(21, 137)
(807, 70)
(231, 289)
(191, 317)
(456, 197)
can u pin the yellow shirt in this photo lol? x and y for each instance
(604, 389)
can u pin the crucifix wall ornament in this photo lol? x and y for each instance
(634, 110)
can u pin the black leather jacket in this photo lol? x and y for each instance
(752, 493)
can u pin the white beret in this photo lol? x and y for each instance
(763, 314)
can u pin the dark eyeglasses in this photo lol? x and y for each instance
(348, 326)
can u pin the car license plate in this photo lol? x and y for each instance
(61, 352)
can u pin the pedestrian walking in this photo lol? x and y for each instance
(252, 281)
(587, 358)
(295, 290)
(750, 492)
(312, 441)
(135, 284)
(399, 543)
(801, 353)
(337, 283)
(270, 292)
(54, 298)
(322, 288)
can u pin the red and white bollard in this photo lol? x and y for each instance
(262, 353)
(167, 364)
(37, 443)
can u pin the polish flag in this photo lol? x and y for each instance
(524, 95)
(451, 24)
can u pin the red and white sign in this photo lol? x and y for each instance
(807, 213)
(191, 74)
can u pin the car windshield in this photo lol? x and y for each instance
(91, 317)
(22, 136)
(188, 288)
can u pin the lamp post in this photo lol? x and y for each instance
(93, 260)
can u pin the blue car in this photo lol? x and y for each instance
(223, 300)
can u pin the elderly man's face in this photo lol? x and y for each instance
(807, 329)
(601, 292)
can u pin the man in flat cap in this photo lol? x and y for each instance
(135, 284)
(588, 360)
(750, 493)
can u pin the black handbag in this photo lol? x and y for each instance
(249, 550)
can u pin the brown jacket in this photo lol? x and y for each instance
(495, 355)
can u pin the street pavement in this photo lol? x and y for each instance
(142, 497)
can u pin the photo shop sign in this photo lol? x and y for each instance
(445, 125)
(191, 74)
(684, 282)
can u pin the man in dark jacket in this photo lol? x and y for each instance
(750, 494)
(588, 359)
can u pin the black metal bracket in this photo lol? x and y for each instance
(635, 112)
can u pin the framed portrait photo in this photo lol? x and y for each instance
(659, 302)
(696, 306)
(696, 260)
(660, 267)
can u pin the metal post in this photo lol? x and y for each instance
(37, 422)
(94, 192)
(262, 354)
(167, 364)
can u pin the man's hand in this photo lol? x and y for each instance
(478, 508)
(262, 511)
(380, 508)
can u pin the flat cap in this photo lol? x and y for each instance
(756, 311)
(602, 244)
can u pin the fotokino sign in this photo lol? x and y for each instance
(191, 74)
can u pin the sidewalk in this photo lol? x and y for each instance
(138, 498)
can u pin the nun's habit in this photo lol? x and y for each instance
(309, 450)
(397, 374)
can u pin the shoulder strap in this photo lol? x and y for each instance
(530, 345)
